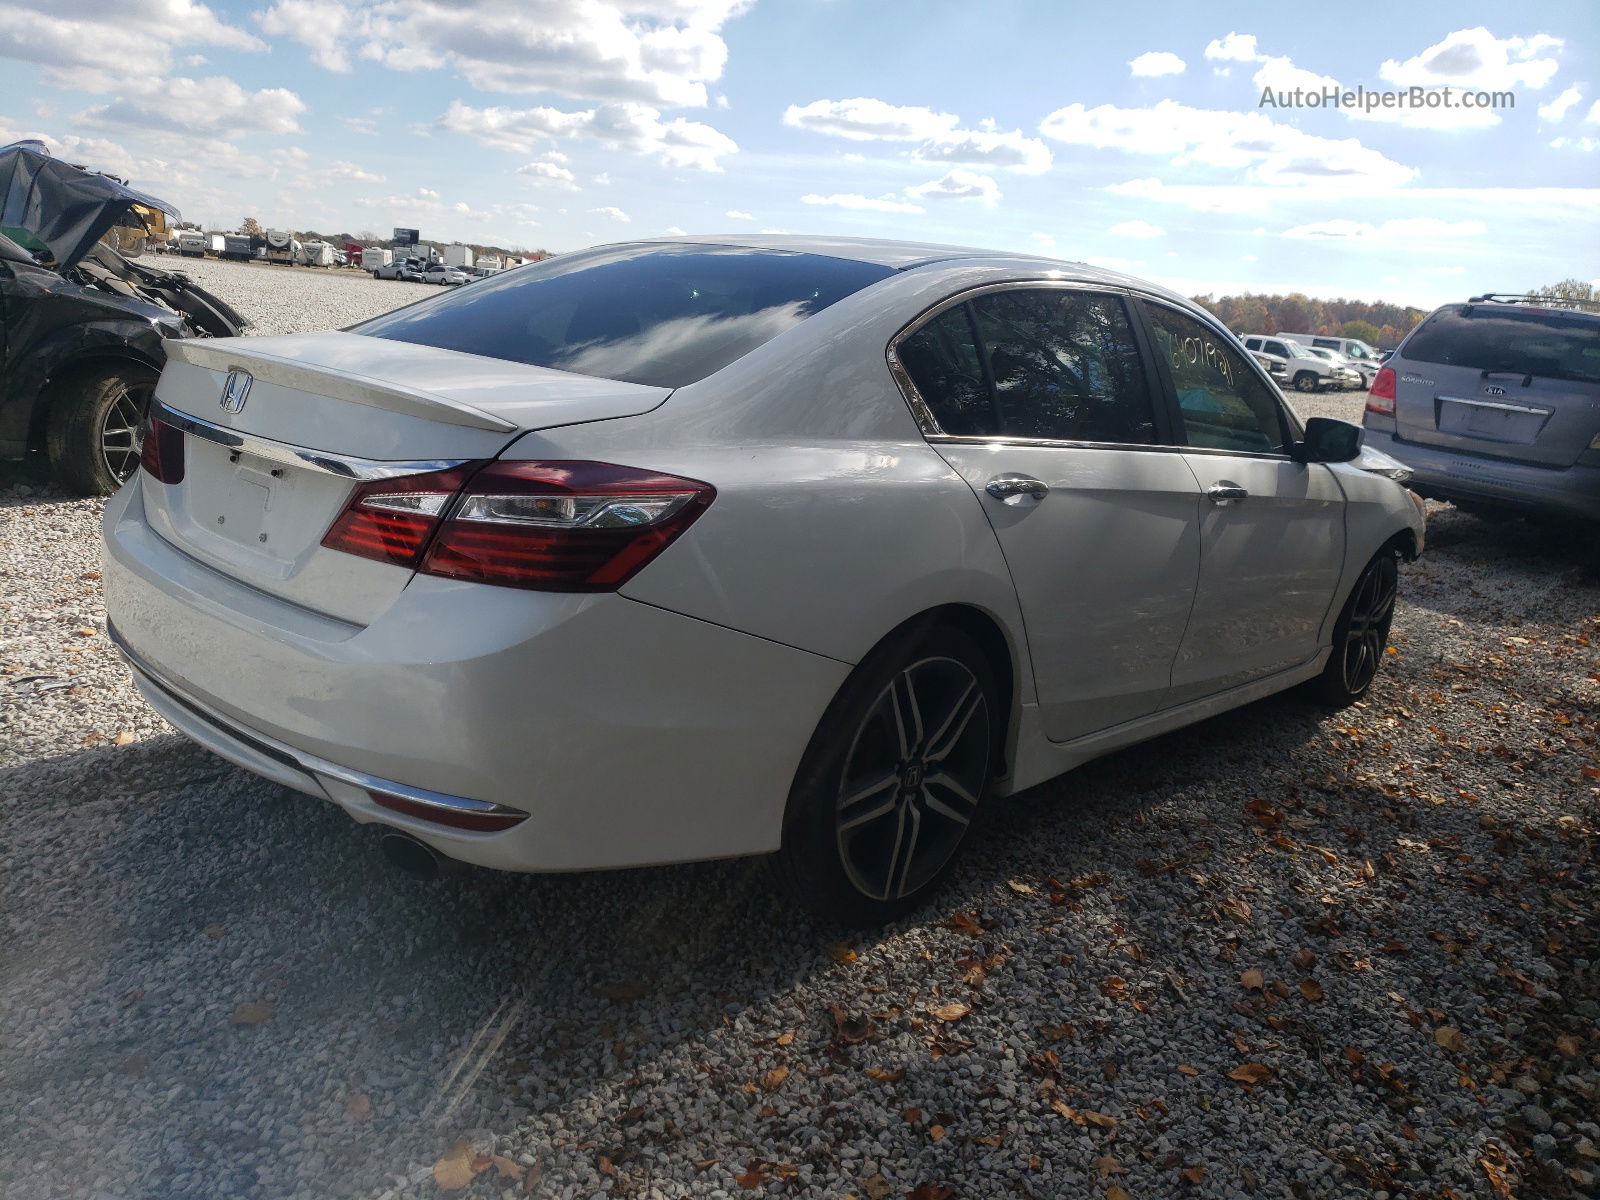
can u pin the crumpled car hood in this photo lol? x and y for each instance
(64, 207)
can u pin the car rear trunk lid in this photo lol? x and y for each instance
(315, 415)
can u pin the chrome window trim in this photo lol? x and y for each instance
(929, 425)
(923, 415)
(343, 465)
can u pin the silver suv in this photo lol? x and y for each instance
(1496, 403)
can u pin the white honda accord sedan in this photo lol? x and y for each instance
(707, 547)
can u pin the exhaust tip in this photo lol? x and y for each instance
(417, 859)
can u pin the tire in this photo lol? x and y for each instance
(1360, 635)
(914, 731)
(1305, 381)
(93, 430)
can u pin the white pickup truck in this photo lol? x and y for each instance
(1303, 369)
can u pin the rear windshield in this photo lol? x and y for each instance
(1555, 345)
(665, 315)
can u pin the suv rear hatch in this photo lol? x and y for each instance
(1515, 382)
(260, 485)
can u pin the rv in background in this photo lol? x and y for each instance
(238, 247)
(316, 254)
(192, 243)
(374, 257)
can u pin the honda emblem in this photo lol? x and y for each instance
(236, 391)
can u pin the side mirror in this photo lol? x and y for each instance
(1328, 441)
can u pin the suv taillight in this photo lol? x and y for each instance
(161, 452)
(1380, 399)
(548, 526)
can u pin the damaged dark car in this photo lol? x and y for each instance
(81, 324)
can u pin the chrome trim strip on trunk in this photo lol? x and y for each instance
(1501, 406)
(299, 760)
(343, 465)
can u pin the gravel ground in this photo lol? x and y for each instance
(1278, 953)
(294, 299)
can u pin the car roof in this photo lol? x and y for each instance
(907, 256)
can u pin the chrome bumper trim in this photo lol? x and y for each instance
(307, 764)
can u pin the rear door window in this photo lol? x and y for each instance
(1501, 338)
(661, 314)
(945, 363)
(1224, 403)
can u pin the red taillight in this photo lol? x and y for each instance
(161, 454)
(549, 526)
(563, 526)
(391, 520)
(1380, 399)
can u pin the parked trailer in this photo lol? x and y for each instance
(316, 254)
(374, 257)
(192, 243)
(282, 247)
(458, 256)
(238, 247)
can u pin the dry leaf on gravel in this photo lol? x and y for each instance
(457, 1166)
(848, 1029)
(1194, 1175)
(876, 1187)
(883, 1075)
(843, 952)
(251, 1012)
(1117, 1193)
(1253, 979)
(123, 739)
(358, 1107)
(1450, 1038)
(935, 1133)
(953, 1011)
(1108, 1166)
(1567, 1045)
(1186, 1069)
(1020, 888)
(1251, 1072)
(753, 1178)
(774, 1078)
(930, 1191)
(1311, 989)
(1305, 959)
(966, 923)
(507, 1168)
(784, 1038)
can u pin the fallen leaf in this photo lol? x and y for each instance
(1311, 989)
(783, 1039)
(1194, 1175)
(851, 1030)
(1117, 1193)
(876, 1187)
(251, 1012)
(753, 1178)
(930, 1191)
(1305, 959)
(911, 1115)
(1108, 1166)
(123, 739)
(843, 952)
(883, 1075)
(84, 632)
(774, 1078)
(1186, 1069)
(457, 1166)
(1020, 888)
(1497, 1179)
(1251, 1072)
(358, 1107)
(1567, 1045)
(1103, 1120)
(935, 1132)
(506, 1167)
(1449, 1037)
(1253, 979)
(966, 923)
(952, 1011)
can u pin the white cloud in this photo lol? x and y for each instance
(88, 45)
(1199, 197)
(1412, 230)
(301, 172)
(1236, 47)
(1584, 144)
(1559, 107)
(548, 174)
(1156, 62)
(1593, 118)
(672, 231)
(987, 148)
(958, 184)
(1475, 58)
(1046, 241)
(1267, 151)
(213, 107)
(616, 214)
(863, 119)
(628, 127)
(733, 214)
(873, 204)
(661, 52)
(1137, 229)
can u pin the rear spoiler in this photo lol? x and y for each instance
(226, 355)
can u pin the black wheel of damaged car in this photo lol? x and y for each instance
(95, 418)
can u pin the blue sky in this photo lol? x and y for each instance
(1127, 134)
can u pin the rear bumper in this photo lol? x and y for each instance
(1451, 475)
(630, 735)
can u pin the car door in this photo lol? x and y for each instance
(1272, 529)
(1042, 398)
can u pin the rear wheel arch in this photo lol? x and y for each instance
(61, 375)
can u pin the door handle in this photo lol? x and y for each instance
(1017, 489)
(1225, 493)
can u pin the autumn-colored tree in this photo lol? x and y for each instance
(250, 226)
(1380, 323)
(1568, 289)
(1362, 331)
